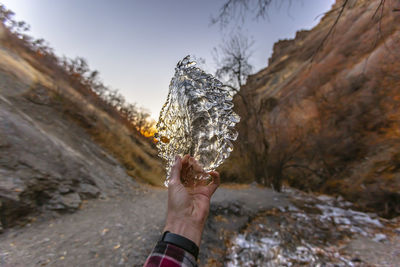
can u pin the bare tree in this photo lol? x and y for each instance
(233, 67)
(232, 59)
(284, 149)
(5, 14)
(142, 120)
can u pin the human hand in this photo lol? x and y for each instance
(188, 207)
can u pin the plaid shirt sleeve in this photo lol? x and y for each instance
(168, 255)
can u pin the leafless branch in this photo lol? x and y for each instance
(232, 60)
(330, 29)
(379, 8)
(237, 10)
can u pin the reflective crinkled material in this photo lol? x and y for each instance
(197, 118)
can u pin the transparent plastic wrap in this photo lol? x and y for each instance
(197, 119)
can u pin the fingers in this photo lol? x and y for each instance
(186, 172)
(196, 166)
(216, 181)
(185, 159)
(176, 171)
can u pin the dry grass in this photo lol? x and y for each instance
(127, 146)
(136, 158)
(131, 149)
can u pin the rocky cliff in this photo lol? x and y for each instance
(324, 115)
(57, 147)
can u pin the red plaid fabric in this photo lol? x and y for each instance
(168, 255)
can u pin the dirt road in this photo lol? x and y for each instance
(121, 231)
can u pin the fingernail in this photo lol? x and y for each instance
(177, 157)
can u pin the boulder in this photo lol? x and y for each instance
(87, 191)
(68, 202)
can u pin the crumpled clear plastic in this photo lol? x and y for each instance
(197, 119)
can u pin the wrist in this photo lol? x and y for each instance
(181, 242)
(185, 229)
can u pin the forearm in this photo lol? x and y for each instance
(188, 208)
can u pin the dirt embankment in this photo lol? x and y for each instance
(42, 167)
(57, 148)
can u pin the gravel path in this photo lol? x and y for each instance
(121, 231)
(105, 232)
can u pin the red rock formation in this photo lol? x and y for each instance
(330, 114)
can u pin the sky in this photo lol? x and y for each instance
(135, 44)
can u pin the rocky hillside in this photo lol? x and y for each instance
(324, 115)
(57, 146)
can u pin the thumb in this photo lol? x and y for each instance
(215, 183)
(175, 176)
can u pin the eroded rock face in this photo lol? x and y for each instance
(329, 114)
(48, 162)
